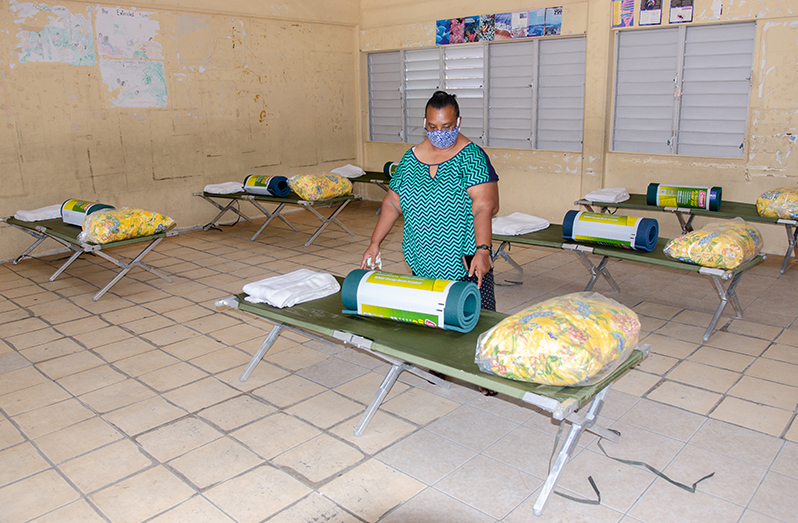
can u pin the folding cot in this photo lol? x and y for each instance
(552, 238)
(67, 235)
(407, 347)
(728, 210)
(291, 199)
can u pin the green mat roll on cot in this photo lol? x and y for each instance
(445, 304)
(684, 196)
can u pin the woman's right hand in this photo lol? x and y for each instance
(371, 255)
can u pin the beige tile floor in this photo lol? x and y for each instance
(129, 409)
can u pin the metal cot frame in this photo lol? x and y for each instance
(291, 199)
(408, 347)
(67, 235)
(552, 238)
(728, 210)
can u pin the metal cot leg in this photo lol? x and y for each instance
(792, 233)
(126, 267)
(726, 295)
(270, 216)
(265, 346)
(228, 207)
(326, 221)
(567, 449)
(385, 388)
(596, 271)
(504, 254)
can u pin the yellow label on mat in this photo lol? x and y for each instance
(77, 205)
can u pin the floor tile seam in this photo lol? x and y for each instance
(531, 495)
(756, 492)
(668, 373)
(51, 466)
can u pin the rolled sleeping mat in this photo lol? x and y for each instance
(75, 211)
(267, 185)
(640, 234)
(445, 304)
(389, 168)
(691, 196)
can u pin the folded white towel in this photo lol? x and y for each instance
(224, 188)
(608, 195)
(45, 213)
(349, 171)
(518, 223)
(289, 289)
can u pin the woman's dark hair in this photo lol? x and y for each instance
(441, 99)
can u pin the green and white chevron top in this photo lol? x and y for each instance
(439, 224)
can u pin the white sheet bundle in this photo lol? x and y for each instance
(608, 195)
(518, 223)
(349, 171)
(289, 289)
(224, 188)
(45, 213)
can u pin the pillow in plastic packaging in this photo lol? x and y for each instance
(123, 224)
(723, 245)
(779, 203)
(572, 340)
(313, 187)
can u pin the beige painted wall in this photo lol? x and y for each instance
(546, 183)
(261, 89)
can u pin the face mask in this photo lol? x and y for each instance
(443, 139)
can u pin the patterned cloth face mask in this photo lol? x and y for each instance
(443, 139)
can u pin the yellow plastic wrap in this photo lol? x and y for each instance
(122, 224)
(779, 203)
(722, 245)
(571, 340)
(312, 187)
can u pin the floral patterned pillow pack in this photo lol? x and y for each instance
(123, 224)
(313, 187)
(572, 340)
(723, 245)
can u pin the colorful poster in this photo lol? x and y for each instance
(442, 32)
(650, 12)
(124, 33)
(487, 27)
(623, 12)
(681, 11)
(134, 83)
(553, 21)
(537, 22)
(520, 24)
(456, 31)
(504, 26)
(471, 28)
(53, 34)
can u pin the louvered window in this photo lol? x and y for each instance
(684, 90)
(385, 97)
(527, 94)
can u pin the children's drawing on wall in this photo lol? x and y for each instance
(537, 22)
(53, 34)
(487, 27)
(650, 12)
(471, 28)
(623, 13)
(520, 24)
(553, 21)
(134, 83)
(456, 31)
(442, 32)
(681, 11)
(124, 33)
(504, 26)
(500, 26)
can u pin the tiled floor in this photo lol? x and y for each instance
(129, 409)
